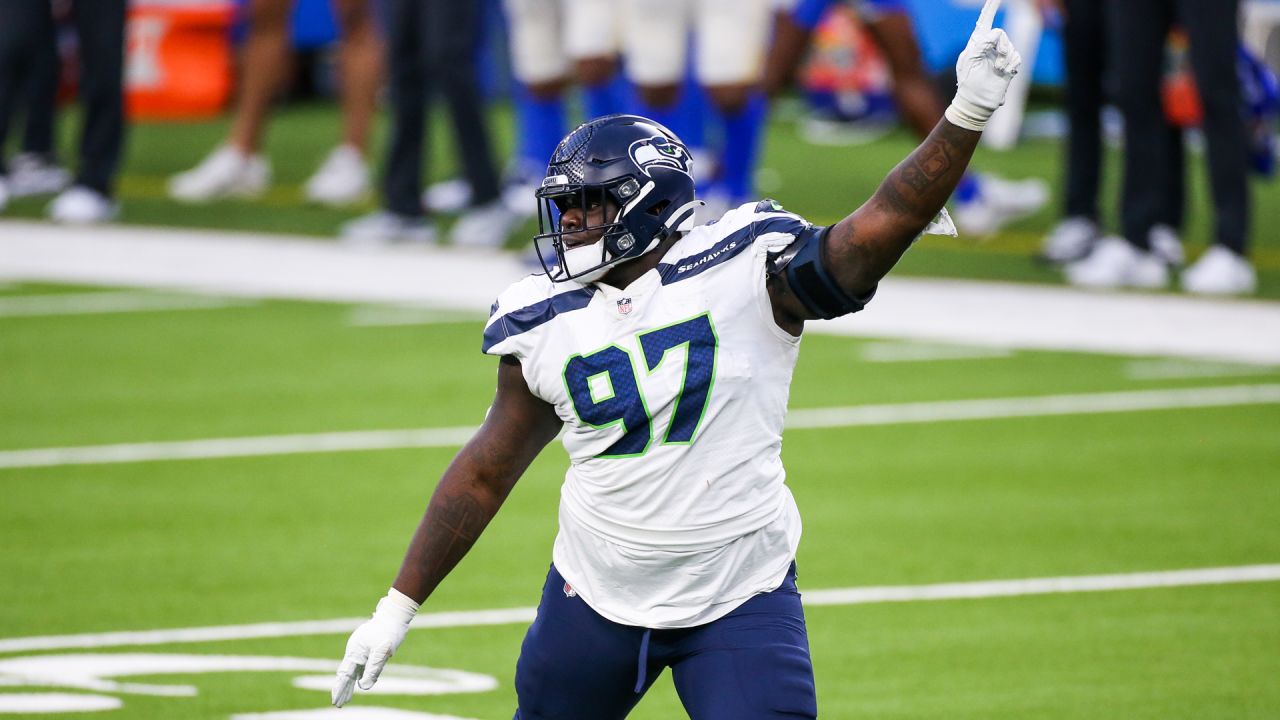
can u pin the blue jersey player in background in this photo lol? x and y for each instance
(665, 352)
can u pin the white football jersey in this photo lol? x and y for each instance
(673, 393)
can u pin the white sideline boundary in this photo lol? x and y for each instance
(97, 303)
(801, 419)
(1003, 315)
(812, 598)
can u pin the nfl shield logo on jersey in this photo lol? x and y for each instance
(624, 306)
(569, 591)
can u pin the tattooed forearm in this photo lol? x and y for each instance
(454, 524)
(925, 166)
(468, 496)
(866, 245)
(454, 519)
(920, 185)
(477, 482)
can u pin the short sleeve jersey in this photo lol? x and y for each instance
(673, 393)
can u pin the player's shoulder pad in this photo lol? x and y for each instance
(769, 205)
(525, 291)
(526, 305)
(778, 228)
(711, 246)
(759, 219)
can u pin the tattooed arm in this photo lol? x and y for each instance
(478, 480)
(860, 249)
(863, 247)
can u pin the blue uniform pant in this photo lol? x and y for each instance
(752, 664)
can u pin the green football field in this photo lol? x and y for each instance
(167, 579)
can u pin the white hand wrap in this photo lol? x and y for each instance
(372, 644)
(983, 73)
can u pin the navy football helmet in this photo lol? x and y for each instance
(627, 161)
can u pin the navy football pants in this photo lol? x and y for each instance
(752, 664)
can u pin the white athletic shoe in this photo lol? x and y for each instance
(520, 198)
(4, 193)
(1070, 240)
(520, 182)
(226, 172)
(484, 226)
(1166, 245)
(1115, 263)
(79, 205)
(448, 196)
(342, 179)
(33, 174)
(383, 227)
(1220, 271)
(998, 203)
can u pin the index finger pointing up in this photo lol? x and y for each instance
(988, 15)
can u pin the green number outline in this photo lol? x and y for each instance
(564, 375)
(684, 377)
(591, 391)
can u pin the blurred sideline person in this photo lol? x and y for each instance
(27, 38)
(983, 203)
(677, 533)
(730, 38)
(431, 48)
(238, 168)
(1138, 30)
(546, 60)
(555, 42)
(29, 73)
(1085, 60)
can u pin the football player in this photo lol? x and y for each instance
(552, 42)
(729, 42)
(984, 203)
(665, 350)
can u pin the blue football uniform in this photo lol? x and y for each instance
(808, 13)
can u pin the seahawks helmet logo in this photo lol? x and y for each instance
(658, 151)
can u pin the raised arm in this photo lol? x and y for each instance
(842, 272)
(469, 494)
(864, 246)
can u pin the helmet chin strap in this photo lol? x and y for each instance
(681, 221)
(592, 251)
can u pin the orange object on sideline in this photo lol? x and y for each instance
(177, 59)
(1178, 93)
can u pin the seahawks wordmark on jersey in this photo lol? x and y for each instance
(673, 393)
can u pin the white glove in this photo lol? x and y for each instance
(372, 644)
(983, 72)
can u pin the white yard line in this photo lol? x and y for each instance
(1002, 315)
(238, 447)
(812, 598)
(1191, 369)
(396, 315)
(93, 303)
(893, 352)
(995, 408)
(852, 416)
(1044, 586)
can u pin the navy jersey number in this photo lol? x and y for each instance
(606, 392)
